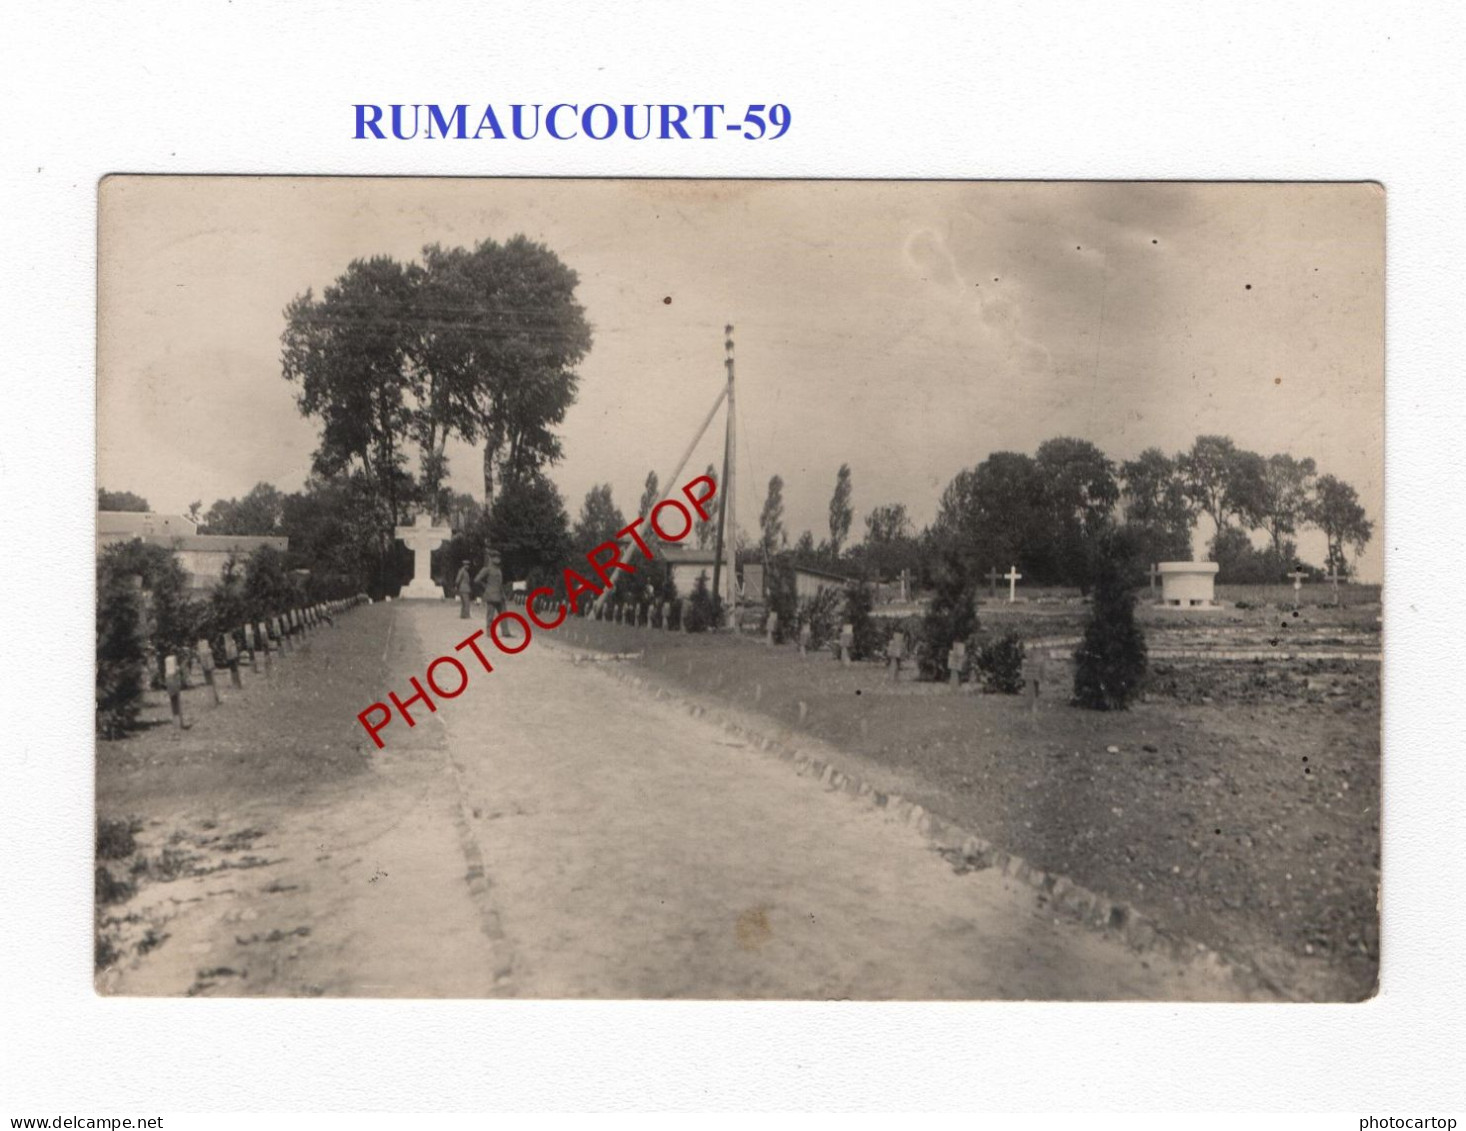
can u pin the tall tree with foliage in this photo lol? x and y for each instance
(1224, 481)
(993, 516)
(503, 335)
(1110, 662)
(1285, 493)
(841, 512)
(351, 356)
(172, 616)
(1335, 510)
(771, 519)
(600, 519)
(1157, 509)
(1080, 493)
(531, 530)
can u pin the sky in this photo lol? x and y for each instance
(906, 328)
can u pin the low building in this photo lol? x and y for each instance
(809, 580)
(1188, 585)
(202, 556)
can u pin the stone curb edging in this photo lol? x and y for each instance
(1092, 909)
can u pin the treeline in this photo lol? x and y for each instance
(1049, 513)
(146, 613)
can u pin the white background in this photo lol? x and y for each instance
(1071, 90)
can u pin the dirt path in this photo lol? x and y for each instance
(553, 833)
(634, 851)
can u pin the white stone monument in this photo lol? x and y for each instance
(1188, 585)
(422, 541)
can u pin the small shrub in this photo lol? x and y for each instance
(109, 889)
(116, 839)
(822, 613)
(784, 599)
(1001, 664)
(951, 617)
(704, 610)
(867, 640)
(1109, 664)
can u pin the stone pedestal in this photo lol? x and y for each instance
(422, 540)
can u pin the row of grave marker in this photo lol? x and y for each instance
(843, 648)
(262, 640)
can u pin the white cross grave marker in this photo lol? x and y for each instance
(1012, 577)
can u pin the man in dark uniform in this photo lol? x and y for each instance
(491, 577)
(463, 584)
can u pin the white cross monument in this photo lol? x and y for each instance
(422, 541)
(1012, 577)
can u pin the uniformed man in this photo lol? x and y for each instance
(463, 583)
(491, 577)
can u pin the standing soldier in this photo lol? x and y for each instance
(464, 584)
(491, 577)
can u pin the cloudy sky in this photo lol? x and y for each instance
(907, 328)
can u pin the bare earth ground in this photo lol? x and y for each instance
(548, 833)
(1239, 806)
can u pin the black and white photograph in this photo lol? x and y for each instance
(797, 589)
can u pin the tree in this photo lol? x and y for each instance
(334, 530)
(1110, 662)
(503, 334)
(259, 512)
(531, 530)
(600, 519)
(950, 618)
(771, 519)
(804, 547)
(1079, 496)
(1284, 496)
(1222, 480)
(120, 501)
(195, 511)
(121, 659)
(351, 355)
(651, 495)
(889, 546)
(170, 616)
(1157, 508)
(841, 513)
(1335, 510)
(993, 516)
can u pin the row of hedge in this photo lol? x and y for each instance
(146, 613)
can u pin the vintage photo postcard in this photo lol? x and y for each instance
(738, 589)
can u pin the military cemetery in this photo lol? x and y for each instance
(990, 660)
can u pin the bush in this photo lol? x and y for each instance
(116, 839)
(121, 656)
(822, 613)
(951, 617)
(704, 610)
(1110, 663)
(1001, 664)
(868, 639)
(784, 599)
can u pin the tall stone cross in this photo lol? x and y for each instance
(1298, 575)
(1154, 574)
(1012, 577)
(422, 541)
(993, 576)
